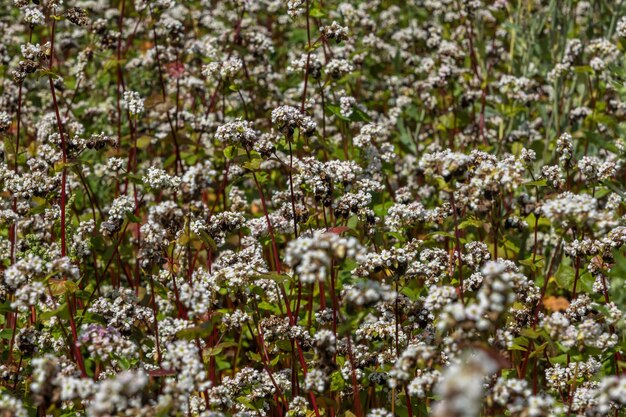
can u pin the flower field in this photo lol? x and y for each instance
(312, 208)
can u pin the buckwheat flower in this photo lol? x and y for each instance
(517, 88)
(30, 51)
(400, 216)
(133, 102)
(157, 179)
(120, 395)
(45, 377)
(81, 239)
(236, 319)
(104, 343)
(588, 167)
(511, 393)
(238, 132)
(24, 270)
(33, 16)
(120, 308)
(117, 212)
(26, 340)
(73, 388)
(298, 64)
(337, 68)
(347, 105)
(182, 356)
(475, 254)
(379, 412)
(11, 406)
(223, 223)
(621, 27)
(116, 164)
(5, 121)
(611, 394)
(557, 377)
(335, 31)
(295, 7)
(591, 334)
(585, 398)
(565, 148)
(528, 155)
(422, 384)
(288, 119)
(64, 267)
(325, 342)
(310, 256)
(559, 70)
(298, 407)
(439, 296)
(593, 169)
(603, 48)
(579, 113)
(77, 15)
(28, 295)
(569, 208)
(315, 380)
(542, 405)
(461, 386)
(199, 296)
(573, 49)
(414, 354)
(553, 175)
(445, 163)
(223, 69)
(8, 216)
(597, 64)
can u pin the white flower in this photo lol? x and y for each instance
(33, 16)
(133, 102)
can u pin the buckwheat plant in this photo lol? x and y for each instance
(312, 208)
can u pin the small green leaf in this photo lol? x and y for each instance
(317, 13)
(143, 142)
(230, 152)
(537, 183)
(208, 240)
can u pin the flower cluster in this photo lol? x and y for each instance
(307, 208)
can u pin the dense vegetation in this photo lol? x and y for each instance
(312, 208)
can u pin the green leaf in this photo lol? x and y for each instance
(253, 164)
(359, 115)
(537, 183)
(539, 351)
(230, 152)
(143, 142)
(317, 13)
(273, 276)
(62, 312)
(565, 276)
(535, 266)
(470, 223)
(515, 346)
(133, 218)
(5, 307)
(584, 69)
(217, 349)
(208, 240)
(48, 72)
(190, 333)
(336, 381)
(530, 333)
(336, 111)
